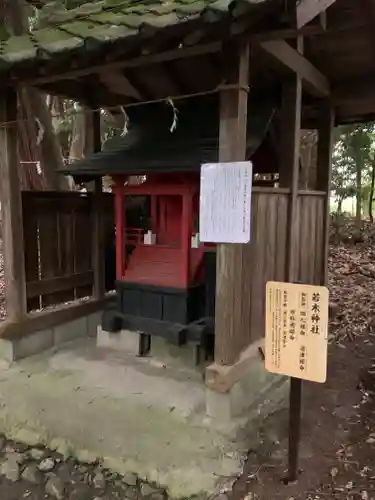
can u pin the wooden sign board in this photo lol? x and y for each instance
(225, 202)
(308, 9)
(297, 330)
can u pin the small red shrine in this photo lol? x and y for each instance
(168, 254)
(160, 269)
(165, 277)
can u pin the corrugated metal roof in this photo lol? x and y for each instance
(97, 23)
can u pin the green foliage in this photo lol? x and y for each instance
(353, 158)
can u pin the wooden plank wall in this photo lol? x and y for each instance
(266, 253)
(58, 245)
(311, 237)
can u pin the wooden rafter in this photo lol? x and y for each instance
(130, 63)
(157, 81)
(314, 81)
(117, 83)
(307, 10)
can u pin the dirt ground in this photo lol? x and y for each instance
(337, 452)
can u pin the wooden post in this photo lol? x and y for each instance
(98, 250)
(232, 303)
(187, 210)
(289, 171)
(11, 207)
(324, 173)
(120, 228)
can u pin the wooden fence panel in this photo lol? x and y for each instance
(267, 251)
(58, 245)
(266, 257)
(310, 249)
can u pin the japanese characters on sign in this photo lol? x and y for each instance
(297, 330)
(225, 202)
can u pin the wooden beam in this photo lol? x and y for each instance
(324, 173)
(221, 378)
(357, 94)
(179, 53)
(117, 83)
(157, 82)
(240, 28)
(308, 9)
(11, 209)
(314, 81)
(60, 284)
(44, 320)
(231, 328)
(136, 62)
(98, 252)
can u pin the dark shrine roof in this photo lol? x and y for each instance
(150, 145)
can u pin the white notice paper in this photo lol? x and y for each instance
(225, 202)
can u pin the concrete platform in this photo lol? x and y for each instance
(141, 415)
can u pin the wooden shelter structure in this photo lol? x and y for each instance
(318, 64)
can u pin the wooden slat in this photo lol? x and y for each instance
(313, 223)
(30, 230)
(252, 311)
(319, 242)
(82, 249)
(271, 249)
(324, 172)
(60, 284)
(289, 168)
(311, 230)
(49, 251)
(65, 252)
(281, 238)
(259, 244)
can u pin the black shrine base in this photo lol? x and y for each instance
(179, 316)
(174, 314)
(161, 303)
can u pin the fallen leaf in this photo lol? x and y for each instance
(333, 472)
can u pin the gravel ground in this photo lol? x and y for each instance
(37, 473)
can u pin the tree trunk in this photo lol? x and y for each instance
(308, 159)
(339, 206)
(358, 206)
(371, 196)
(82, 143)
(44, 146)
